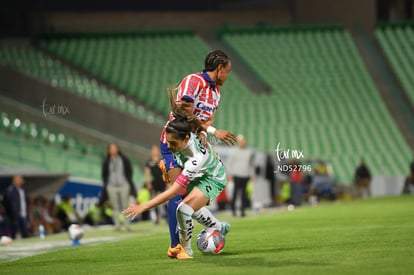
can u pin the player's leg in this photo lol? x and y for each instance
(193, 206)
(194, 200)
(173, 172)
(204, 217)
(210, 188)
(172, 209)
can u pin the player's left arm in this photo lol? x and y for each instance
(223, 135)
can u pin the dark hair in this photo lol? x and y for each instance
(179, 126)
(183, 123)
(215, 58)
(117, 146)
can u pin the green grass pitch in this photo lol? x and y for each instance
(374, 236)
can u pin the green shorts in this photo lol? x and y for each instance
(210, 187)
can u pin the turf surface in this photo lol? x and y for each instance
(374, 236)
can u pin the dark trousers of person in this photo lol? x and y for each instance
(296, 193)
(20, 224)
(240, 185)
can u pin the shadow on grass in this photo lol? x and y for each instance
(239, 259)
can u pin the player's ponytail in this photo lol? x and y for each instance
(183, 123)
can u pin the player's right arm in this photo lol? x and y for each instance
(136, 209)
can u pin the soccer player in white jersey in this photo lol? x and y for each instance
(203, 177)
(199, 94)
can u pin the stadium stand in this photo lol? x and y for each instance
(396, 41)
(151, 62)
(142, 64)
(29, 144)
(323, 103)
(32, 62)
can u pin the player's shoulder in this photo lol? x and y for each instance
(198, 147)
(194, 77)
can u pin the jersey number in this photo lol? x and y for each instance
(202, 148)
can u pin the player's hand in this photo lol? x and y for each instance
(203, 138)
(133, 211)
(227, 137)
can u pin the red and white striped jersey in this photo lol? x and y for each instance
(202, 92)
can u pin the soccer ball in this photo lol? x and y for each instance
(210, 240)
(6, 240)
(75, 232)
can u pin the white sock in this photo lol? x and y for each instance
(185, 225)
(206, 218)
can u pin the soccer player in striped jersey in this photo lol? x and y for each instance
(198, 94)
(203, 178)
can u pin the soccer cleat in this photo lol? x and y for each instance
(173, 251)
(165, 177)
(183, 255)
(225, 228)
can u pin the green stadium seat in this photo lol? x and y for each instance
(32, 62)
(396, 41)
(320, 83)
(26, 143)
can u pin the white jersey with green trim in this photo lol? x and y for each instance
(197, 161)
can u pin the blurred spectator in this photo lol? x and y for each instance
(362, 180)
(259, 191)
(144, 195)
(249, 193)
(118, 185)
(16, 203)
(322, 185)
(409, 181)
(42, 212)
(223, 200)
(285, 192)
(107, 213)
(153, 176)
(296, 180)
(240, 169)
(66, 213)
(94, 216)
(99, 215)
(270, 176)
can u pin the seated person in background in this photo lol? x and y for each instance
(95, 215)
(144, 195)
(43, 213)
(66, 213)
(322, 185)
